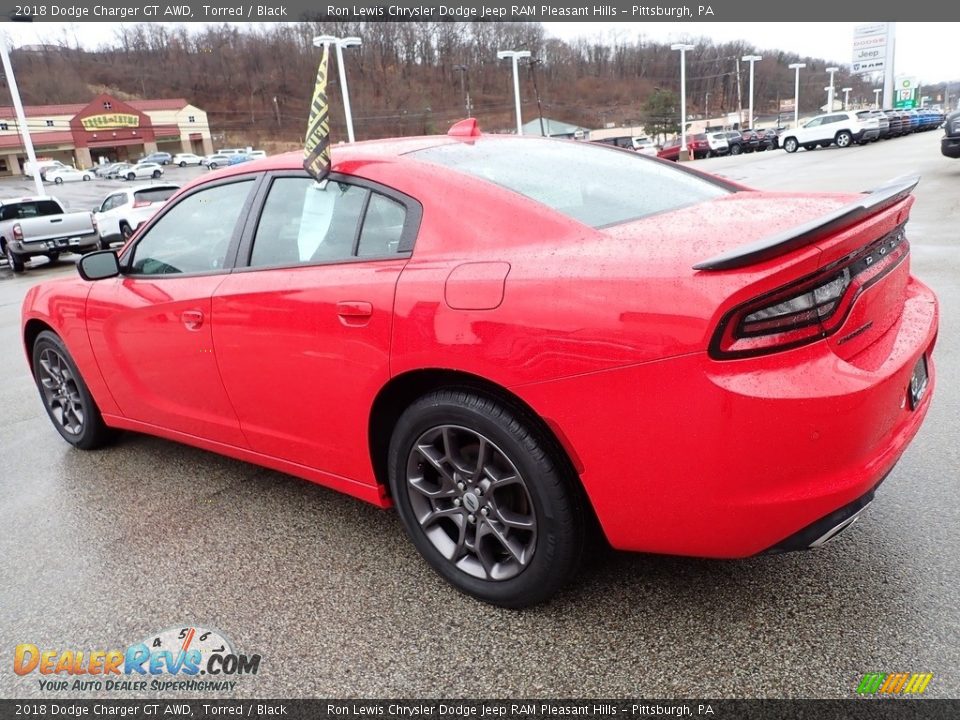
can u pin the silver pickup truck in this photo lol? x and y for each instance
(31, 226)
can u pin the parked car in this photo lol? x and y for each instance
(385, 334)
(216, 161)
(103, 170)
(630, 142)
(698, 146)
(895, 120)
(184, 159)
(232, 151)
(160, 158)
(883, 122)
(646, 146)
(736, 142)
(751, 141)
(62, 175)
(839, 128)
(123, 211)
(142, 170)
(239, 158)
(43, 166)
(39, 225)
(771, 137)
(950, 143)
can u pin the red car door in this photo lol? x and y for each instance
(150, 328)
(303, 334)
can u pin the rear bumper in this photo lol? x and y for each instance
(692, 456)
(70, 243)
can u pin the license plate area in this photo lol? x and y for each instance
(918, 382)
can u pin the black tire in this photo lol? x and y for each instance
(87, 433)
(86, 178)
(791, 145)
(53, 256)
(13, 260)
(843, 139)
(58, 181)
(212, 166)
(125, 231)
(156, 174)
(543, 496)
(182, 164)
(131, 176)
(736, 149)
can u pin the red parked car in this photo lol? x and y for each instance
(697, 145)
(507, 352)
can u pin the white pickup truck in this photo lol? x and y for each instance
(31, 226)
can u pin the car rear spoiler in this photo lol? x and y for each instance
(873, 202)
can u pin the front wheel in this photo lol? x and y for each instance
(791, 145)
(131, 176)
(65, 396)
(182, 164)
(156, 174)
(485, 498)
(58, 181)
(126, 232)
(86, 177)
(735, 149)
(843, 139)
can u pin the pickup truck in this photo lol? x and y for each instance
(31, 226)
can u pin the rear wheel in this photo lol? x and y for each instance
(485, 499)
(58, 181)
(65, 396)
(735, 149)
(843, 139)
(13, 260)
(790, 145)
(131, 176)
(182, 164)
(53, 256)
(125, 231)
(156, 174)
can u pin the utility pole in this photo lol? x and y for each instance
(276, 109)
(536, 91)
(739, 98)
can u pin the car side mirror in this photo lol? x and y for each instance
(99, 265)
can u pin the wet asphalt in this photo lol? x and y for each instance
(99, 550)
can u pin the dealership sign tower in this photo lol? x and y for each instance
(874, 46)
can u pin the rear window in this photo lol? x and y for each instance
(38, 208)
(594, 184)
(154, 194)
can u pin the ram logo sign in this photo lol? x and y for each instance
(894, 683)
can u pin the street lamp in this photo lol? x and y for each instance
(751, 59)
(876, 96)
(829, 90)
(796, 92)
(515, 55)
(340, 44)
(846, 98)
(684, 153)
(21, 115)
(462, 69)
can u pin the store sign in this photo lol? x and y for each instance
(110, 121)
(869, 48)
(905, 93)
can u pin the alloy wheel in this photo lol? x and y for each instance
(471, 502)
(60, 391)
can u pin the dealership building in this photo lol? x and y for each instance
(104, 129)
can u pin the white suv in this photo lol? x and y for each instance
(840, 128)
(125, 210)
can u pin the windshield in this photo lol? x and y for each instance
(594, 184)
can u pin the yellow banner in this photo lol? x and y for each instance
(110, 121)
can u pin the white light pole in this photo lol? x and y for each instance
(796, 92)
(341, 43)
(829, 90)
(684, 153)
(751, 59)
(515, 55)
(846, 98)
(876, 96)
(21, 116)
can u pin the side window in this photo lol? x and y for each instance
(382, 227)
(816, 122)
(194, 235)
(306, 222)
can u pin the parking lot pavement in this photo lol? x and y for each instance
(101, 549)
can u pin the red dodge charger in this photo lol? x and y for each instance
(510, 339)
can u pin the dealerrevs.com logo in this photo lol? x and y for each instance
(176, 659)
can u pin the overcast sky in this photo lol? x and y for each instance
(924, 50)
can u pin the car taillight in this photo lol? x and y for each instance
(17, 232)
(142, 203)
(809, 309)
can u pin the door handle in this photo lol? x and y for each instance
(191, 319)
(354, 313)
